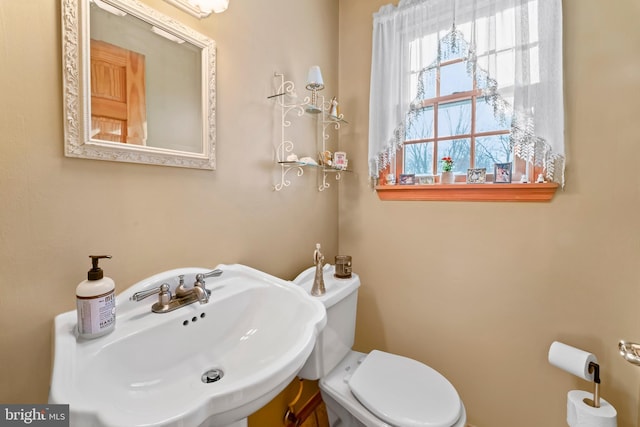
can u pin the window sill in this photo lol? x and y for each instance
(489, 192)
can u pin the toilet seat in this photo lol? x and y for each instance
(405, 392)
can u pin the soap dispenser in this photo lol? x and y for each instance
(96, 302)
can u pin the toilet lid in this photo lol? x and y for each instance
(405, 392)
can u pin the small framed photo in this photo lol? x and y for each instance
(340, 160)
(502, 173)
(407, 179)
(477, 176)
(424, 179)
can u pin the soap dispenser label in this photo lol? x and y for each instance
(97, 314)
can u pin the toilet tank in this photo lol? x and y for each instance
(336, 339)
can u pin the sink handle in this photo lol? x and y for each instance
(163, 290)
(213, 273)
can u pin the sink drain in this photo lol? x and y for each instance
(212, 375)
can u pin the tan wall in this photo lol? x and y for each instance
(55, 211)
(479, 303)
(480, 290)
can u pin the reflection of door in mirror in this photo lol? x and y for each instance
(118, 112)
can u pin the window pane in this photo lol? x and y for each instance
(486, 120)
(492, 149)
(498, 66)
(505, 28)
(505, 72)
(423, 51)
(453, 45)
(533, 21)
(459, 150)
(413, 85)
(420, 124)
(482, 78)
(418, 158)
(454, 78)
(454, 118)
(534, 64)
(427, 84)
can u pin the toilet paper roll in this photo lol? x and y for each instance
(579, 414)
(572, 360)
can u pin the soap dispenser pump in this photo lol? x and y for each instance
(96, 302)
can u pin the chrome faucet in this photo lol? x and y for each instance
(318, 288)
(183, 295)
(200, 293)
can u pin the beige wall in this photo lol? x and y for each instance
(480, 290)
(476, 290)
(55, 211)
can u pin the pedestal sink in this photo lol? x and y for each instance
(208, 365)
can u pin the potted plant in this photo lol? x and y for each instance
(447, 176)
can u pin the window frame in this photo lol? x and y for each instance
(489, 192)
(472, 95)
(460, 190)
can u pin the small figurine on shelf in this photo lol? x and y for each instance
(390, 179)
(333, 110)
(326, 158)
(540, 179)
(308, 161)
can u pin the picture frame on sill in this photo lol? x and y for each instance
(502, 173)
(425, 179)
(407, 179)
(476, 176)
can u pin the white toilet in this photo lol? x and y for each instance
(377, 389)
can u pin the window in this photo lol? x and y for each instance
(453, 118)
(487, 91)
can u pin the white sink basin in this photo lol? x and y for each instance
(257, 329)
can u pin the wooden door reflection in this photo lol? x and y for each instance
(118, 101)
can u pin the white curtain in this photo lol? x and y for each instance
(518, 45)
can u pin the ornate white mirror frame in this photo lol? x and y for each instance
(78, 140)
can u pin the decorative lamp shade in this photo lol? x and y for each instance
(314, 78)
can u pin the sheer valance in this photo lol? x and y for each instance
(515, 44)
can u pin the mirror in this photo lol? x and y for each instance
(138, 86)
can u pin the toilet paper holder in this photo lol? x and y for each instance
(579, 363)
(594, 369)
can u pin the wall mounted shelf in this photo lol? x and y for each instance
(285, 149)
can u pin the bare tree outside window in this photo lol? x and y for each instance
(457, 122)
